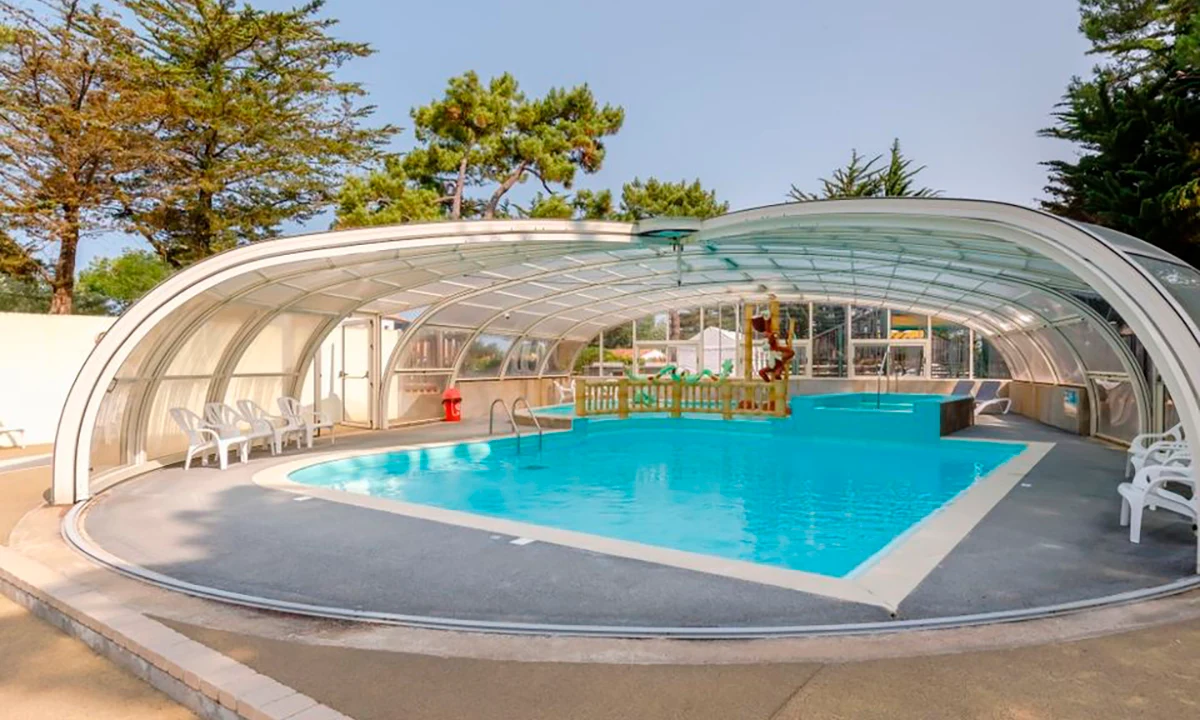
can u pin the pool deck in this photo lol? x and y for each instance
(1052, 539)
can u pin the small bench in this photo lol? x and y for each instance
(12, 433)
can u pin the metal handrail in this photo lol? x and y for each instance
(513, 412)
(882, 375)
(511, 420)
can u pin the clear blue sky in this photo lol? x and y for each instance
(750, 96)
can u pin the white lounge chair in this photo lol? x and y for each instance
(309, 421)
(564, 391)
(203, 440)
(1141, 444)
(13, 432)
(227, 421)
(988, 397)
(1148, 489)
(281, 427)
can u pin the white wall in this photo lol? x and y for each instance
(39, 358)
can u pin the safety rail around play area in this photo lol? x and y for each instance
(728, 397)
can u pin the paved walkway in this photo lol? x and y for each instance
(46, 674)
(1149, 674)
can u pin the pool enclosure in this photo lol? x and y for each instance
(381, 320)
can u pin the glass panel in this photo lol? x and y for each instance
(868, 323)
(907, 361)
(868, 359)
(800, 361)
(949, 346)
(989, 362)
(1065, 363)
(718, 346)
(1097, 355)
(483, 357)
(1182, 282)
(201, 352)
(689, 323)
(106, 435)
(277, 347)
(1039, 369)
(416, 396)
(262, 389)
(560, 359)
(829, 341)
(434, 347)
(526, 359)
(794, 316)
(908, 326)
(163, 436)
(1117, 415)
(1170, 411)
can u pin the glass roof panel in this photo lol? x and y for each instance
(1096, 353)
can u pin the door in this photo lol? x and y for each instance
(357, 371)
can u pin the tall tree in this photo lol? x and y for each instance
(1137, 122)
(261, 130)
(493, 137)
(866, 178)
(73, 125)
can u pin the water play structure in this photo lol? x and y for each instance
(676, 391)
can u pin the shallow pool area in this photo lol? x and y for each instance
(748, 491)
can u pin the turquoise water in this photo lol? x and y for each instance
(740, 490)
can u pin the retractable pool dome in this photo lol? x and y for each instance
(247, 323)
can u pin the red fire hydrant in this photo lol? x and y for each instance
(451, 401)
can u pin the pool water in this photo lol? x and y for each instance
(738, 490)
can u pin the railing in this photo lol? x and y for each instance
(512, 414)
(512, 420)
(625, 397)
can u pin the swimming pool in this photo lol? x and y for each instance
(749, 491)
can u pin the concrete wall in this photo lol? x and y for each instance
(1063, 407)
(478, 395)
(39, 358)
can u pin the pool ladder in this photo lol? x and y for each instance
(513, 420)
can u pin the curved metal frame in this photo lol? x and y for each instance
(962, 229)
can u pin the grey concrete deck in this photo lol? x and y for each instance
(1053, 539)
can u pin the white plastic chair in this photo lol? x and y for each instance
(564, 391)
(1142, 444)
(13, 433)
(1160, 453)
(227, 421)
(309, 421)
(1148, 489)
(204, 440)
(281, 427)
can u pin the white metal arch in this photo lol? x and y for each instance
(1015, 243)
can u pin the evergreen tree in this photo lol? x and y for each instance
(865, 178)
(260, 131)
(493, 137)
(1137, 122)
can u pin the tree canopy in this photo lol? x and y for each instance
(492, 137)
(867, 178)
(122, 280)
(1137, 122)
(74, 126)
(260, 129)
